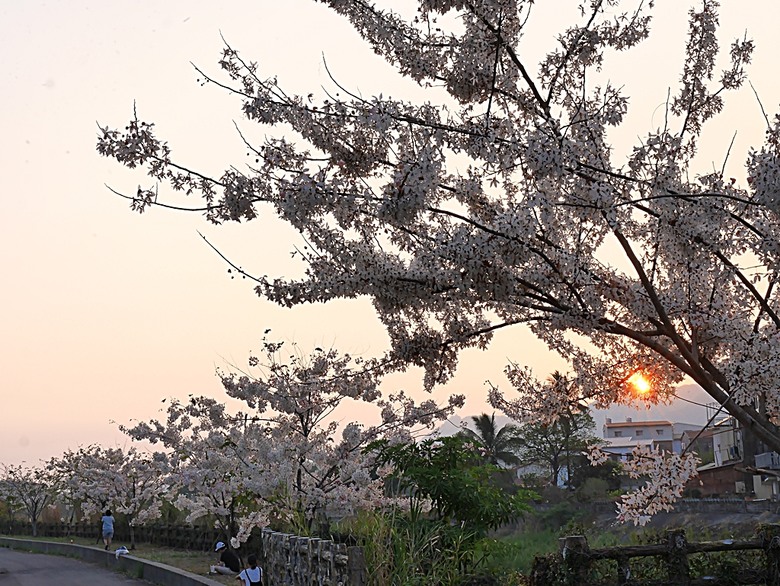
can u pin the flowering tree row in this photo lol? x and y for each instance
(89, 481)
(130, 482)
(291, 456)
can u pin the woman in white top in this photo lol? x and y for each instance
(252, 575)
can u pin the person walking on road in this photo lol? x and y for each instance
(108, 529)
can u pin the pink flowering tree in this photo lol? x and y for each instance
(505, 204)
(211, 482)
(27, 489)
(211, 451)
(293, 455)
(132, 482)
(60, 474)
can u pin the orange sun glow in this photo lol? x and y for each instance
(640, 383)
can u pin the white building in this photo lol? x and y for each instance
(623, 436)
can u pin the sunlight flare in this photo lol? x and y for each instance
(640, 383)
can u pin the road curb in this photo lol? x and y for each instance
(153, 572)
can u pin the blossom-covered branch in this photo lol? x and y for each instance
(506, 202)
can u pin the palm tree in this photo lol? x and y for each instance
(499, 445)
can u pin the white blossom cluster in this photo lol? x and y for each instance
(287, 458)
(132, 482)
(665, 476)
(506, 204)
(26, 488)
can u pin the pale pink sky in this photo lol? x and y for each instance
(105, 312)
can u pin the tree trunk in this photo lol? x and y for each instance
(555, 467)
(749, 419)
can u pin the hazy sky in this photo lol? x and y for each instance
(105, 312)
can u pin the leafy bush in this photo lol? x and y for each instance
(592, 489)
(560, 515)
(448, 474)
(454, 498)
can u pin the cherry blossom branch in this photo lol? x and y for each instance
(544, 107)
(235, 267)
(159, 204)
(596, 8)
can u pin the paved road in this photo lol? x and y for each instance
(34, 569)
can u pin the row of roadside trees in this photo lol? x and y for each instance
(288, 461)
(135, 483)
(84, 483)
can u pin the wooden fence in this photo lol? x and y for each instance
(578, 565)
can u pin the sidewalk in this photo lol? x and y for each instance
(153, 572)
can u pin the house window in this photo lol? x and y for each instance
(659, 432)
(618, 433)
(640, 432)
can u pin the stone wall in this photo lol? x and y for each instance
(297, 561)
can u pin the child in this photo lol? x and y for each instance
(251, 575)
(108, 528)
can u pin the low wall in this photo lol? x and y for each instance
(755, 506)
(299, 561)
(132, 566)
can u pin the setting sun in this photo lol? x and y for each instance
(640, 383)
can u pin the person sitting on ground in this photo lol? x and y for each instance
(251, 575)
(228, 561)
(108, 528)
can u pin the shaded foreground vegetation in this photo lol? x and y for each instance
(503, 557)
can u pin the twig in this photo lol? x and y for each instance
(728, 152)
(162, 205)
(768, 124)
(238, 269)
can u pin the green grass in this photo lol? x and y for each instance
(518, 552)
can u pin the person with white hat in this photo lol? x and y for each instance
(229, 563)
